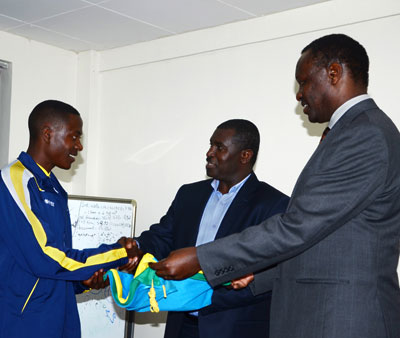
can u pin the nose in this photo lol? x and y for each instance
(299, 95)
(79, 145)
(210, 151)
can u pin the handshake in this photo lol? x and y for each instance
(96, 281)
(133, 252)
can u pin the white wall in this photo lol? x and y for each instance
(39, 72)
(149, 109)
(160, 101)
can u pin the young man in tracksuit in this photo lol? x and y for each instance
(41, 273)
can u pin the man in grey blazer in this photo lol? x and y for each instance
(337, 246)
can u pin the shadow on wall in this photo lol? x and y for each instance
(154, 319)
(67, 175)
(154, 151)
(313, 129)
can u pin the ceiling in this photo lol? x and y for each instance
(80, 25)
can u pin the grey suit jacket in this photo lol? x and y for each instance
(338, 243)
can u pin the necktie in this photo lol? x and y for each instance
(326, 131)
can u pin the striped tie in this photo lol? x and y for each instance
(326, 131)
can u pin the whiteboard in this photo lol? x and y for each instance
(96, 221)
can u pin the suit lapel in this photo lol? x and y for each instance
(231, 222)
(335, 131)
(347, 118)
(194, 215)
(354, 111)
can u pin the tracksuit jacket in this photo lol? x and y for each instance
(40, 272)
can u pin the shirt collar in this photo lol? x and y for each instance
(235, 188)
(345, 107)
(44, 170)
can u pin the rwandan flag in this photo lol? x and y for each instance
(145, 291)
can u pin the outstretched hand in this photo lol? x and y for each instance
(133, 252)
(180, 264)
(96, 281)
(242, 282)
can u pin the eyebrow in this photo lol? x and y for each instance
(216, 142)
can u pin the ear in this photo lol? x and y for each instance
(246, 155)
(335, 72)
(46, 133)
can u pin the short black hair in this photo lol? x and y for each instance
(343, 49)
(246, 135)
(52, 111)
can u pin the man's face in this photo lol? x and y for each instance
(65, 142)
(315, 89)
(224, 156)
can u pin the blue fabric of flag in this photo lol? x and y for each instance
(145, 291)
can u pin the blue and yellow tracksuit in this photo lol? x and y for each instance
(41, 273)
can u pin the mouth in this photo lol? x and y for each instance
(306, 107)
(72, 157)
(210, 165)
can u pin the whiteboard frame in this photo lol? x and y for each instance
(129, 315)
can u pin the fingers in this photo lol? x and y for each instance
(122, 241)
(134, 257)
(237, 285)
(242, 282)
(180, 264)
(154, 266)
(133, 252)
(96, 281)
(130, 243)
(131, 266)
(161, 270)
(127, 242)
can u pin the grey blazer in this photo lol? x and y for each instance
(337, 246)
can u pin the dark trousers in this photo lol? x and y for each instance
(190, 327)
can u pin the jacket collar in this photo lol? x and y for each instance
(45, 183)
(238, 205)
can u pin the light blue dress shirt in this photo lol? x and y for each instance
(213, 214)
(215, 210)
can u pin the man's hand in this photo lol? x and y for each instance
(126, 242)
(96, 281)
(242, 282)
(133, 252)
(180, 264)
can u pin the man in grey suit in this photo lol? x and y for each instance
(337, 246)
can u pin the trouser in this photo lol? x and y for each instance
(190, 327)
